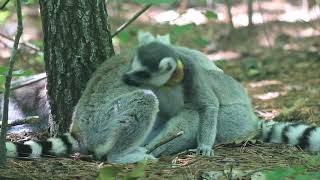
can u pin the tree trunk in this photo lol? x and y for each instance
(76, 40)
(250, 12)
(229, 6)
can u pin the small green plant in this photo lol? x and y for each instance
(113, 173)
(297, 173)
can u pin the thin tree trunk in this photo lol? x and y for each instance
(6, 95)
(229, 6)
(76, 40)
(250, 12)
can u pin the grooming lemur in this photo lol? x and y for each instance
(194, 96)
(110, 120)
(208, 105)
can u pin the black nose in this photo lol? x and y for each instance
(129, 81)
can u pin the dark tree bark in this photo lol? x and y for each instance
(76, 40)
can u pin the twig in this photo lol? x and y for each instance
(250, 173)
(7, 86)
(165, 141)
(146, 7)
(35, 78)
(27, 120)
(31, 46)
(4, 5)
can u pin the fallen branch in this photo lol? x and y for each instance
(7, 86)
(27, 120)
(165, 141)
(30, 80)
(28, 45)
(133, 18)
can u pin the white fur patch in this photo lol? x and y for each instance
(103, 149)
(276, 136)
(314, 140)
(11, 149)
(136, 66)
(160, 78)
(58, 147)
(36, 149)
(165, 63)
(73, 141)
(294, 133)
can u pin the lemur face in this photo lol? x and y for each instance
(152, 66)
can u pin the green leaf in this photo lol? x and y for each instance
(25, 1)
(22, 73)
(183, 28)
(37, 43)
(137, 172)
(3, 70)
(124, 36)
(253, 72)
(211, 15)
(154, 1)
(201, 42)
(3, 16)
(108, 173)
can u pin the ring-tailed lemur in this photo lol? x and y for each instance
(29, 99)
(110, 120)
(185, 97)
(208, 105)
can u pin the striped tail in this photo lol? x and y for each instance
(297, 134)
(59, 146)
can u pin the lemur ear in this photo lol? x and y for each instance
(145, 38)
(167, 64)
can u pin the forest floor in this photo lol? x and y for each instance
(280, 70)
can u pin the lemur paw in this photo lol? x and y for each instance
(204, 150)
(150, 157)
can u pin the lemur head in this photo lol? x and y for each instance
(155, 64)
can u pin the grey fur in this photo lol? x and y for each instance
(110, 120)
(114, 120)
(221, 103)
(112, 113)
(29, 100)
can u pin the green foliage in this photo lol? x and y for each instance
(112, 173)
(211, 15)
(154, 1)
(182, 29)
(298, 173)
(250, 66)
(124, 36)
(38, 43)
(137, 172)
(4, 15)
(200, 42)
(108, 173)
(17, 73)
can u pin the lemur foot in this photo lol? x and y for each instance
(204, 150)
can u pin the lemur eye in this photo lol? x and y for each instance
(142, 74)
(169, 67)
